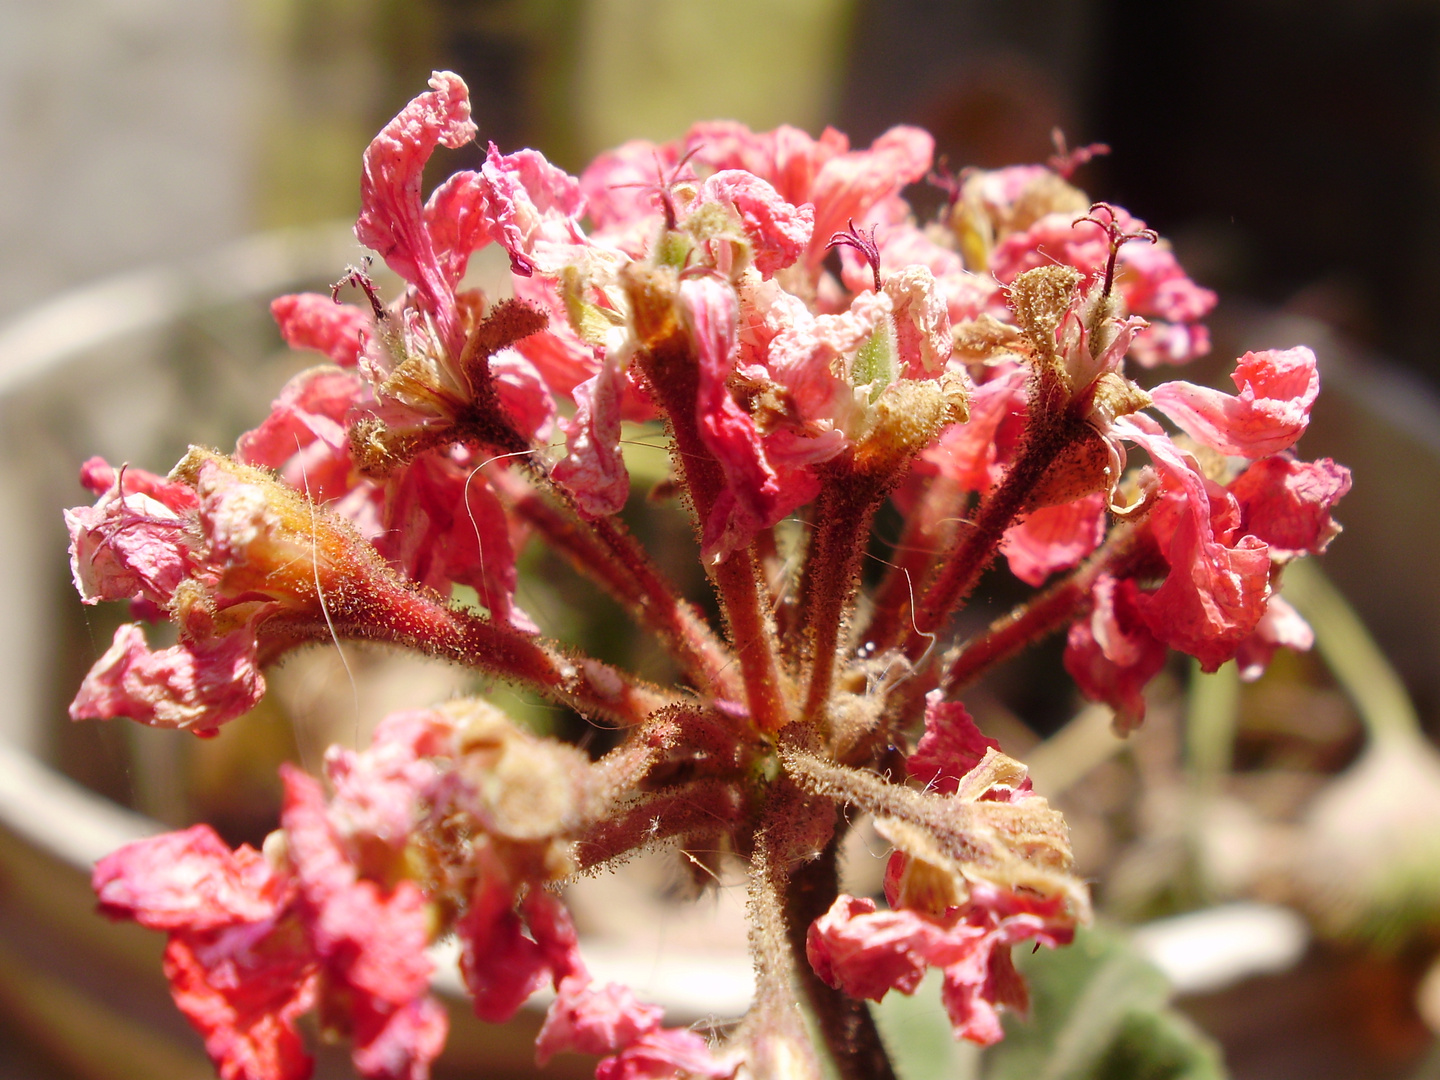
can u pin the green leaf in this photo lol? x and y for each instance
(1099, 1012)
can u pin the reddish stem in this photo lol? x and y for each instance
(605, 552)
(929, 528)
(673, 371)
(1040, 617)
(375, 609)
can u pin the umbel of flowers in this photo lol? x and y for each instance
(972, 370)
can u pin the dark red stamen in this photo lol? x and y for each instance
(1065, 162)
(862, 242)
(951, 183)
(663, 186)
(359, 277)
(1118, 237)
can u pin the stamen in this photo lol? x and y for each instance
(862, 242)
(1117, 236)
(359, 276)
(1065, 162)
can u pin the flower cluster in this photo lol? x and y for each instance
(812, 351)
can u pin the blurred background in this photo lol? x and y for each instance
(1290, 151)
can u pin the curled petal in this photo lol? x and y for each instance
(392, 217)
(1281, 625)
(305, 437)
(1287, 503)
(951, 746)
(529, 200)
(593, 469)
(197, 686)
(316, 323)
(1272, 410)
(188, 880)
(243, 989)
(1112, 655)
(790, 159)
(1054, 538)
(778, 232)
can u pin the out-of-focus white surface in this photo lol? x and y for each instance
(1211, 949)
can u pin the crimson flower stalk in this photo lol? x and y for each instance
(974, 371)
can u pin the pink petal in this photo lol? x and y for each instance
(305, 436)
(523, 394)
(951, 746)
(752, 490)
(1272, 410)
(99, 476)
(866, 953)
(530, 200)
(777, 231)
(1287, 503)
(188, 880)
(1281, 625)
(392, 218)
(790, 159)
(197, 686)
(500, 965)
(401, 1044)
(243, 992)
(128, 548)
(317, 323)
(667, 1054)
(922, 322)
(593, 469)
(849, 184)
(1054, 538)
(1112, 655)
(588, 1018)
(384, 791)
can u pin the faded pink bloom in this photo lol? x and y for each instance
(1054, 538)
(593, 469)
(529, 201)
(1112, 655)
(950, 747)
(1272, 410)
(1287, 503)
(316, 323)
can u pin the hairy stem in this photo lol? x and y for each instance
(1036, 619)
(672, 369)
(605, 552)
(846, 1024)
(843, 512)
(929, 528)
(391, 612)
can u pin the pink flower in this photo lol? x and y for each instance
(593, 469)
(501, 966)
(1281, 625)
(196, 686)
(1287, 503)
(1272, 410)
(1219, 581)
(128, 547)
(1112, 655)
(368, 941)
(1054, 538)
(317, 323)
(951, 746)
